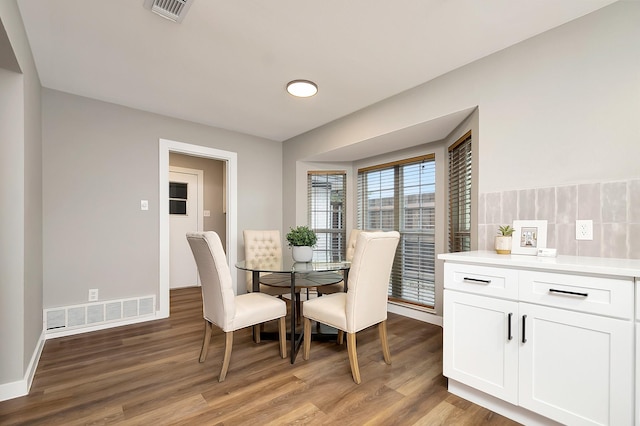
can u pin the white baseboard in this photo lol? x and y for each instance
(21, 387)
(13, 390)
(499, 406)
(418, 314)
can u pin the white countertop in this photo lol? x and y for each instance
(579, 264)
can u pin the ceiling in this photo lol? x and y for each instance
(227, 64)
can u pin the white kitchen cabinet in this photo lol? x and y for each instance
(542, 340)
(575, 367)
(481, 349)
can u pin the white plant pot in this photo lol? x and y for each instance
(302, 253)
(503, 244)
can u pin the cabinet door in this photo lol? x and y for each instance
(478, 349)
(576, 368)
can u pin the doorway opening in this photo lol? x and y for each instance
(231, 160)
(186, 214)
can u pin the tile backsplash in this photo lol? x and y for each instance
(614, 208)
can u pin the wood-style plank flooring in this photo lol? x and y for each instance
(149, 374)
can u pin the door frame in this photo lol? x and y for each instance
(199, 174)
(231, 159)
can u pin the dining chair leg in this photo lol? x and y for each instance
(208, 329)
(228, 344)
(307, 339)
(382, 328)
(282, 331)
(257, 329)
(353, 357)
(340, 337)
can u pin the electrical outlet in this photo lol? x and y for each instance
(93, 295)
(584, 230)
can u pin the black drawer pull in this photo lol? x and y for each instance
(572, 293)
(524, 334)
(476, 280)
(509, 335)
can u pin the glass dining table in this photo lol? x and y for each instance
(302, 275)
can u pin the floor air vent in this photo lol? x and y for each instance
(96, 313)
(173, 10)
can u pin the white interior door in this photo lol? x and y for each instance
(185, 215)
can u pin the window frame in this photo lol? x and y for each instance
(408, 284)
(333, 247)
(460, 192)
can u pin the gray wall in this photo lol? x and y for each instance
(558, 109)
(100, 160)
(20, 197)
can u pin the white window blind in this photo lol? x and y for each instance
(401, 196)
(327, 201)
(460, 194)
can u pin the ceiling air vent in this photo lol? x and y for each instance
(173, 10)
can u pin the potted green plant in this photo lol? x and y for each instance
(503, 239)
(302, 239)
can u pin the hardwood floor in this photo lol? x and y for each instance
(148, 374)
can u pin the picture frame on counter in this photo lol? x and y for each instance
(529, 236)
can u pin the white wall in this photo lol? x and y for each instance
(560, 108)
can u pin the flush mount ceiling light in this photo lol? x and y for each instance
(302, 88)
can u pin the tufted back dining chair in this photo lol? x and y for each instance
(365, 302)
(350, 250)
(220, 306)
(265, 247)
(351, 244)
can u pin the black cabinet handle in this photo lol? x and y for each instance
(524, 334)
(509, 335)
(476, 280)
(572, 293)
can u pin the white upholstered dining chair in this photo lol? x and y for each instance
(220, 306)
(350, 249)
(265, 247)
(365, 302)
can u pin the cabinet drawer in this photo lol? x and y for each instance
(498, 282)
(595, 295)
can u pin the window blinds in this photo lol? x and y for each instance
(460, 194)
(327, 201)
(401, 196)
